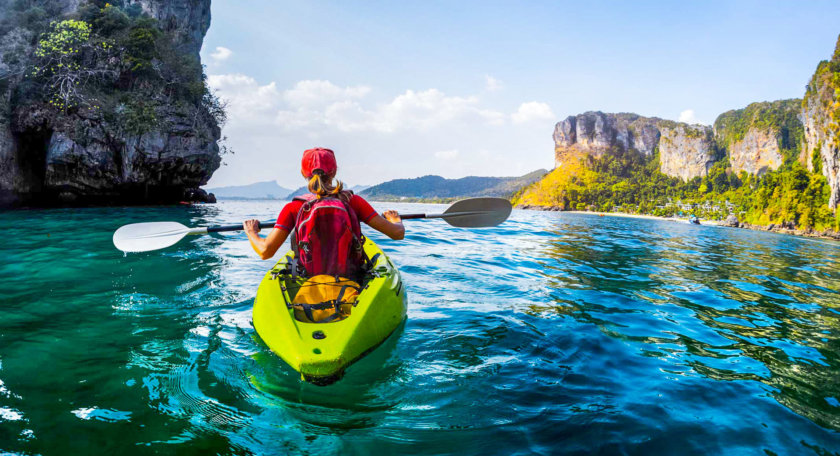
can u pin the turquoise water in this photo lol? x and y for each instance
(553, 333)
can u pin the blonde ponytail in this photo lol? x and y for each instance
(321, 186)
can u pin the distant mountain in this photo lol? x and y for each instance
(304, 190)
(300, 191)
(436, 187)
(257, 190)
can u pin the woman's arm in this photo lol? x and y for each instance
(389, 224)
(265, 248)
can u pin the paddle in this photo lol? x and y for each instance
(471, 213)
(144, 237)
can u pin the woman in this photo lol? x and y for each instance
(319, 167)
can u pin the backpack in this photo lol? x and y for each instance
(328, 237)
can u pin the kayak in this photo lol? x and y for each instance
(322, 351)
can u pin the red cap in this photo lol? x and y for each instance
(318, 158)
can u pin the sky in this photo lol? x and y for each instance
(410, 88)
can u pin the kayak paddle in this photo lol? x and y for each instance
(471, 213)
(144, 237)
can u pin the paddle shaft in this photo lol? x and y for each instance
(428, 216)
(237, 227)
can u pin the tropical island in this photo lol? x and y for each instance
(770, 165)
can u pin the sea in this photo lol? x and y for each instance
(553, 333)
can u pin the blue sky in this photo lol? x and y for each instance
(403, 89)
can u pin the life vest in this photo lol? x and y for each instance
(324, 298)
(328, 237)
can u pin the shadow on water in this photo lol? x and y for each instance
(353, 402)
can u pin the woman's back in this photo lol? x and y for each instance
(327, 221)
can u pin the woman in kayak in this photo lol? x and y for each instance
(319, 167)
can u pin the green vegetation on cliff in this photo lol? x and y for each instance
(824, 88)
(776, 163)
(626, 181)
(105, 59)
(781, 116)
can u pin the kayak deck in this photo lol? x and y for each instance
(322, 351)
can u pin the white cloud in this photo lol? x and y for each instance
(323, 104)
(492, 84)
(377, 137)
(318, 93)
(220, 54)
(431, 108)
(316, 104)
(450, 154)
(688, 116)
(531, 111)
(247, 100)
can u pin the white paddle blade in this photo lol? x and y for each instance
(143, 237)
(478, 212)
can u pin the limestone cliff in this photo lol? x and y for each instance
(821, 115)
(769, 164)
(686, 151)
(187, 20)
(596, 132)
(762, 136)
(141, 127)
(757, 153)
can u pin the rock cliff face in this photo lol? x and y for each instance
(761, 136)
(821, 114)
(686, 151)
(103, 165)
(597, 132)
(188, 20)
(96, 155)
(757, 153)
(755, 139)
(792, 146)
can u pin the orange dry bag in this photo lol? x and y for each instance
(324, 298)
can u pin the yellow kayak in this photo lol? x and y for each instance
(322, 351)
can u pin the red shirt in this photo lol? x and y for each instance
(286, 220)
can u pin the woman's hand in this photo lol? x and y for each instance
(392, 216)
(251, 226)
(265, 247)
(389, 224)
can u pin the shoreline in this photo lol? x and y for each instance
(773, 228)
(646, 216)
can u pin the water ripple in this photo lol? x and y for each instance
(553, 333)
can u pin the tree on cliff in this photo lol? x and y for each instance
(68, 58)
